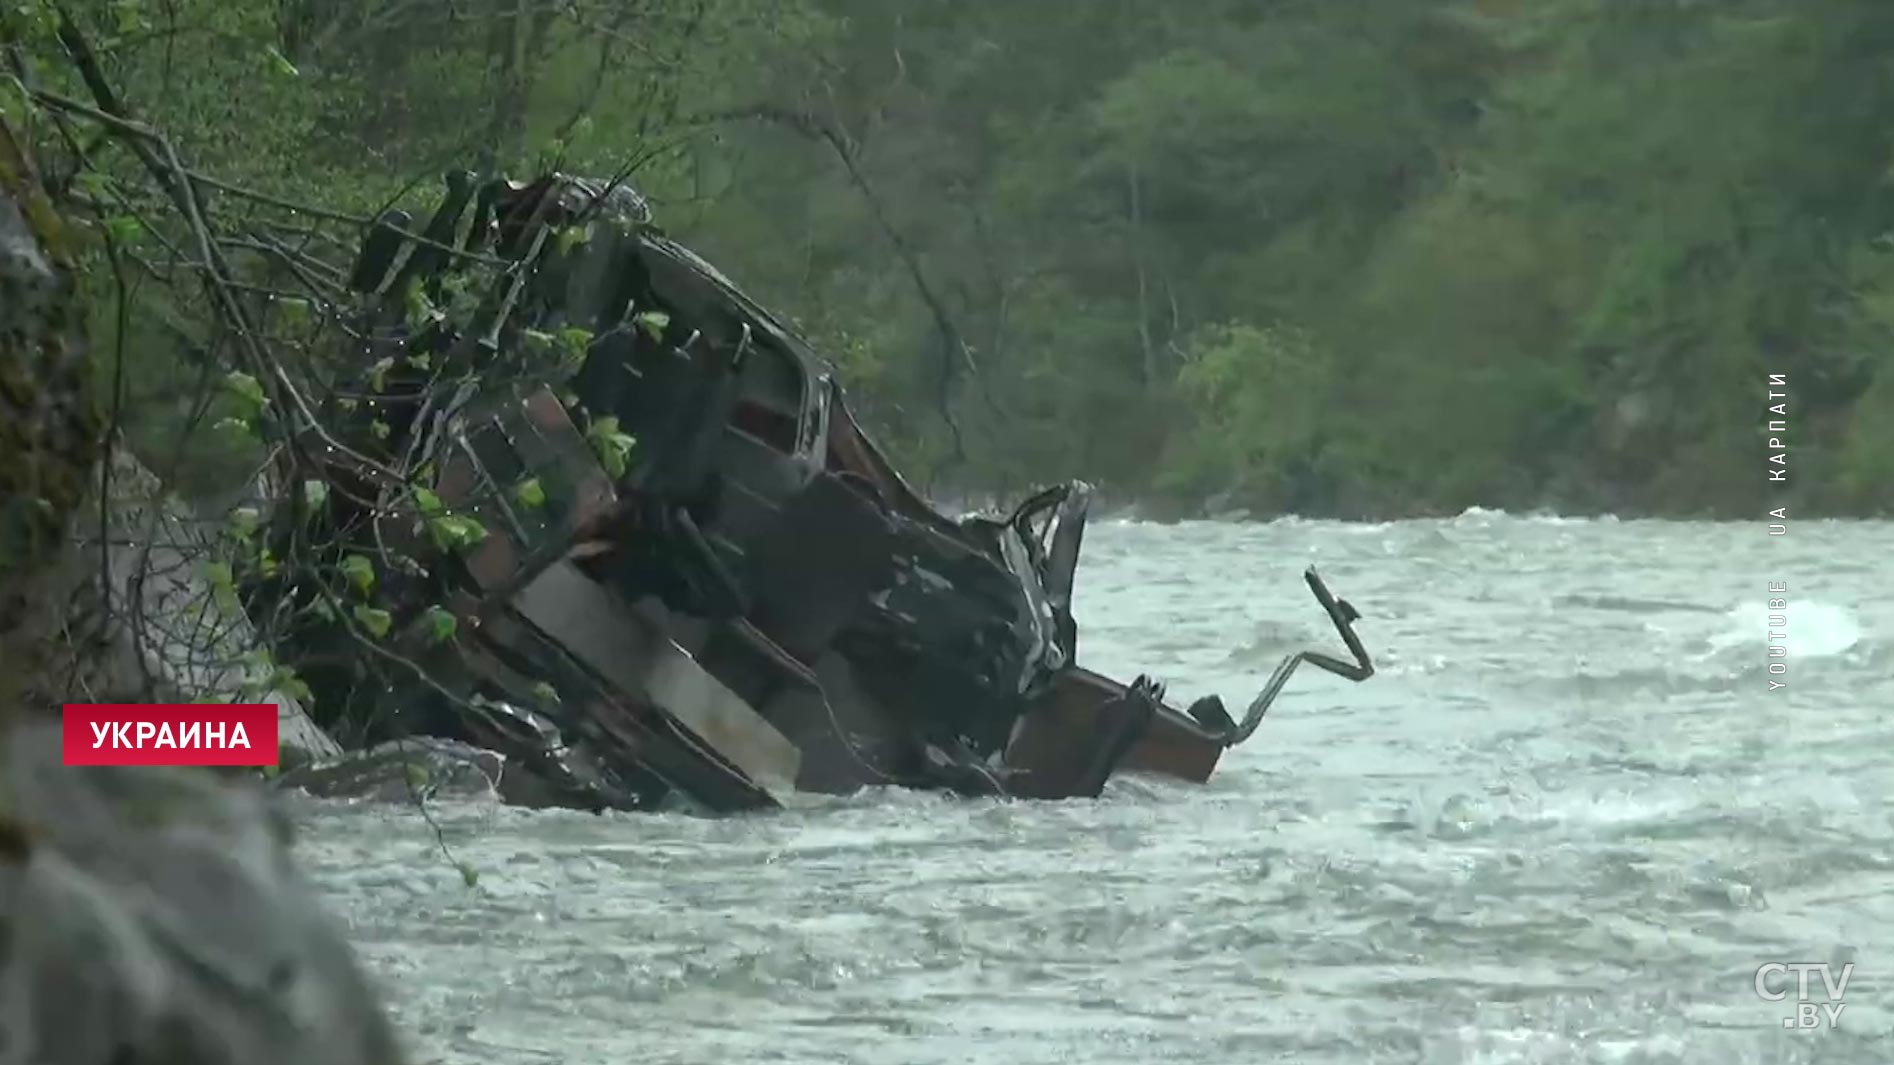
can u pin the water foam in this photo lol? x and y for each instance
(1814, 629)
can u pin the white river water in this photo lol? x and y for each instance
(1567, 822)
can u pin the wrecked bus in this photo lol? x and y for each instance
(627, 532)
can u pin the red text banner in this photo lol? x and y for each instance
(170, 734)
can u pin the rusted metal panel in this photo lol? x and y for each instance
(1048, 737)
(548, 441)
(531, 440)
(698, 700)
(639, 659)
(495, 562)
(1175, 746)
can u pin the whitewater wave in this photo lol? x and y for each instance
(1814, 629)
(1477, 515)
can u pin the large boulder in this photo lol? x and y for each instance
(153, 917)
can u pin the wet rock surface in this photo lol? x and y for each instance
(154, 917)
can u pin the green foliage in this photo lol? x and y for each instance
(374, 619)
(454, 532)
(1529, 254)
(359, 572)
(1261, 397)
(441, 624)
(1388, 256)
(223, 586)
(612, 445)
(530, 493)
(573, 344)
(653, 323)
(247, 390)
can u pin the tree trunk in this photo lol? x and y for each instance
(49, 433)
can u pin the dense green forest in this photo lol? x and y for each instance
(1331, 257)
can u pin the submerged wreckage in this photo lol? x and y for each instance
(748, 603)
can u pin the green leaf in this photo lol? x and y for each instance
(468, 875)
(223, 586)
(376, 620)
(226, 599)
(295, 309)
(315, 494)
(297, 687)
(421, 361)
(537, 341)
(572, 237)
(546, 693)
(573, 342)
(244, 521)
(124, 229)
(441, 624)
(417, 775)
(620, 456)
(530, 493)
(247, 389)
(427, 502)
(15, 104)
(378, 374)
(360, 572)
(653, 323)
(93, 183)
(462, 298)
(419, 308)
(612, 446)
(281, 62)
(285, 680)
(379, 429)
(454, 532)
(127, 17)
